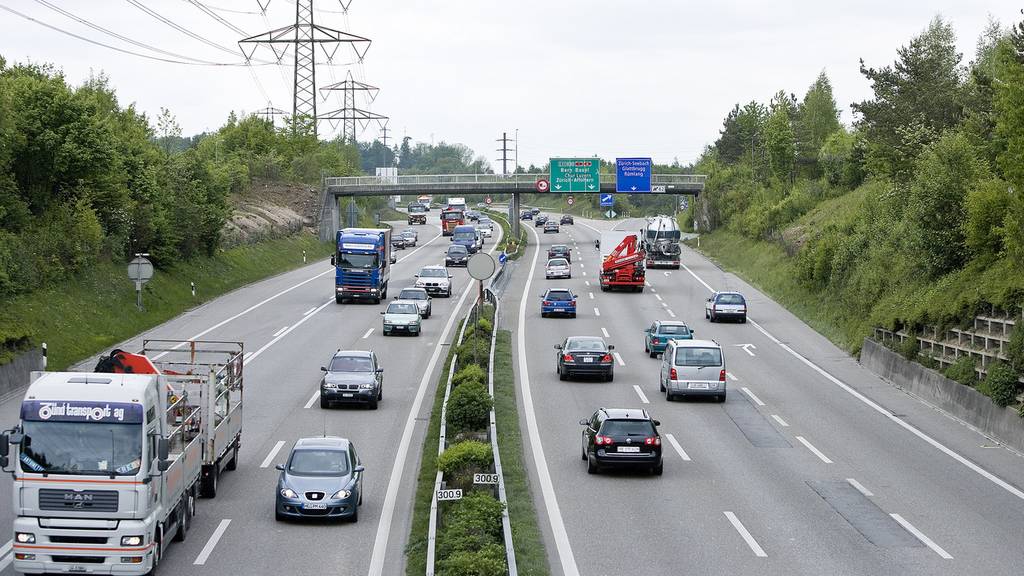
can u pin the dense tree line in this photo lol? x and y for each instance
(84, 178)
(935, 157)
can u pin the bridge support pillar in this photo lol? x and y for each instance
(330, 218)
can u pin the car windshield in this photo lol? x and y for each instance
(365, 261)
(351, 364)
(557, 262)
(458, 250)
(401, 308)
(318, 463)
(730, 299)
(412, 295)
(433, 273)
(408, 232)
(627, 428)
(687, 356)
(81, 447)
(465, 236)
(559, 296)
(672, 329)
(585, 345)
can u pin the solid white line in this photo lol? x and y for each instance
(618, 359)
(860, 487)
(679, 449)
(6, 561)
(658, 296)
(780, 420)
(368, 332)
(758, 551)
(212, 542)
(273, 452)
(278, 333)
(814, 450)
(920, 536)
(563, 548)
(286, 332)
(597, 311)
(246, 356)
(380, 542)
(752, 396)
(640, 393)
(312, 399)
(874, 406)
(670, 312)
(591, 294)
(310, 311)
(605, 332)
(731, 376)
(664, 304)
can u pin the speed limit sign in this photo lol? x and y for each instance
(542, 185)
(569, 200)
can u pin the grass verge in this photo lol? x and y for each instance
(506, 236)
(97, 309)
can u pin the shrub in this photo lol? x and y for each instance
(1001, 384)
(469, 373)
(469, 408)
(470, 524)
(910, 348)
(963, 371)
(474, 350)
(484, 327)
(486, 561)
(1015, 351)
(460, 461)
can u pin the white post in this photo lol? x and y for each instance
(45, 359)
(303, 256)
(193, 289)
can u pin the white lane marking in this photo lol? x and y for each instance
(246, 356)
(654, 290)
(752, 396)
(6, 547)
(605, 332)
(562, 545)
(779, 419)
(277, 338)
(646, 283)
(591, 294)
(584, 272)
(667, 273)
(920, 536)
(278, 333)
(658, 296)
(587, 282)
(597, 311)
(746, 348)
(731, 376)
(640, 393)
(670, 312)
(664, 304)
(273, 452)
(758, 551)
(310, 311)
(619, 359)
(212, 542)
(380, 542)
(312, 399)
(679, 449)
(816, 452)
(368, 332)
(874, 406)
(6, 561)
(860, 487)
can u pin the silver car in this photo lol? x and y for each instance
(402, 317)
(411, 236)
(435, 280)
(420, 296)
(557, 268)
(693, 368)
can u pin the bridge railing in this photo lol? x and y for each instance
(526, 179)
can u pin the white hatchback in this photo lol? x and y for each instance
(557, 268)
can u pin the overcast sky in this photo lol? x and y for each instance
(613, 78)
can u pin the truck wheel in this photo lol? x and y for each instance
(339, 300)
(210, 482)
(233, 463)
(184, 518)
(156, 552)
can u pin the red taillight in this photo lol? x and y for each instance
(673, 375)
(653, 441)
(567, 358)
(606, 358)
(721, 375)
(546, 303)
(655, 341)
(603, 440)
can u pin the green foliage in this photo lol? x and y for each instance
(910, 347)
(1015, 349)
(817, 120)
(779, 139)
(486, 561)
(469, 408)
(1000, 384)
(475, 349)
(484, 327)
(838, 159)
(470, 524)
(460, 461)
(469, 373)
(1009, 107)
(963, 371)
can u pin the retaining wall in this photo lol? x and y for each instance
(14, 375)
(963, 402)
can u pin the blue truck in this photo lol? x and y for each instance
(362, 264)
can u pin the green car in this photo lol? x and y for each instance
(656, 337)
(402, 317)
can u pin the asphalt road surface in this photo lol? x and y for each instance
(813, 465)
(291, 325)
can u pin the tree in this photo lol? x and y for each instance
(778, 137)
(167, 128)
(817, 119)
(987, 205)
(730, 141)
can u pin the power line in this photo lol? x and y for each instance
(217, 17)
(184, 30)
(233, 11)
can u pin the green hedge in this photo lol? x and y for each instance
(469, 373)
(460, 461)
(469, 408)
(470, 524)
(963, 371)
(1000, 384)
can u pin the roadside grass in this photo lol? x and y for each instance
(531, 557)
(506, 235)
(97, 309)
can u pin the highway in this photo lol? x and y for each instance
(291, 325)
(813, 465)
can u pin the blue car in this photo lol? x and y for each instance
(322, 479)
(661, 332)
(558, 301)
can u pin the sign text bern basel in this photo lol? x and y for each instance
(575, 175)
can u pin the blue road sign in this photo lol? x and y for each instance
(607, 200)
(632, 175)
(502, 257)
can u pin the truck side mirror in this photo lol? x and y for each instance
(163, 465)
(332, 261)
(163, 448)
(5, 446)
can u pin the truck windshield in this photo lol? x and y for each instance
(452, 216)
(357, 260)
(82, 448)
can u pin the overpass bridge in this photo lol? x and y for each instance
(444, 185)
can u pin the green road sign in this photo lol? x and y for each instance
(575, 175)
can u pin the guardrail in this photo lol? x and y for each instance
(506, 524)
(527, 179)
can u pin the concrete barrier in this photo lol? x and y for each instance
(963, 402)
(14, 375)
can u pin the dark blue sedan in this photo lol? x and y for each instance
(558, 301)
(322, 479)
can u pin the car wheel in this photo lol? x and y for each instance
(355, 515)
(669, 396)
(591, 465)
(661, 385)
(573, 315)
(706, 317)
(583, 452)
(278, 516)
(233, 463)
(610, 376)
(563, 375)
(743, 319)
(380, 396)
(373, 404)
(653, 354)
(543, 314)
(324, 402)
(720, 398)
(658, 469)
(712, 317)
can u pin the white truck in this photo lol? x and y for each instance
(108, 464)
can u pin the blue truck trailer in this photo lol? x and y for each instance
(362, 264)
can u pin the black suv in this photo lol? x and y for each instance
(621, 437)
(526, 215)
(540, 220)
(560, 251)
(352, 377)
(457, 255)
(566, 219)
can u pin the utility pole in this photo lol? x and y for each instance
(304, 36)
(384, 136)
(268, 113)
(504, 151)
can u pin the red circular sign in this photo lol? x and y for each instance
(487, 200)
(543, 185)
(570, 200)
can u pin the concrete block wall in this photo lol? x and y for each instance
(14, 375)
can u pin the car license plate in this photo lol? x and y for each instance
(697, 385)
(347, 395)
(588, 359)
(629, 448)
(315, 506)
